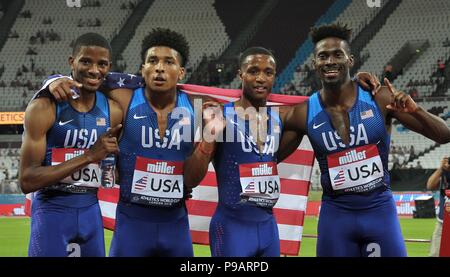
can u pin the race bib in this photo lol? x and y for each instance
(356, 170)
(88, 176)
(157, 182)
(260, 183)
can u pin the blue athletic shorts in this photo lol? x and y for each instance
(373, 232)
(59, 231)
(137, 237)
(231, 237)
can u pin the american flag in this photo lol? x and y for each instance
(141, 183)
(295, 174)
(367, 114)
(250, 187)
(340, 178)
(101, 121)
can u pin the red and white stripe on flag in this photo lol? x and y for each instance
(295, 174)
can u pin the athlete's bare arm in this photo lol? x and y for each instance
(399, 105)
(123, 97)
(61, 90)
(294, 129)
(39, 118)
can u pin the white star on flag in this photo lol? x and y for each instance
(121, 82)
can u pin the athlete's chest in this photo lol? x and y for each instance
(147, 129)
(77, 131)
(259, 141)
(331, 131)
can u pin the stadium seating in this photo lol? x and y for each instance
(356, 16)
(196, 20)
(206, 34)
(402, 26)
(52, 55)
(9, 164)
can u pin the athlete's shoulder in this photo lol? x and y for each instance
(41, 105)
(40, 113)
(114, 106)
(116, 112)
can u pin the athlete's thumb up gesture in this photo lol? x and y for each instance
(105, 144)
(400, 101)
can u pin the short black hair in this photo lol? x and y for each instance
(255, 51)
(91, 39)
(168, 38)
(336, 30)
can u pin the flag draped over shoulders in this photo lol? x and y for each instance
(295, 174)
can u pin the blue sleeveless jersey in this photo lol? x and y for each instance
(75, 130)
(148, 161)
(238, 152)
(353, 176)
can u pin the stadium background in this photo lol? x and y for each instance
(404, 40)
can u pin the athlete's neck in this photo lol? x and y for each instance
(338, 95)
(245, 103)
(85, 102)
(161, 99)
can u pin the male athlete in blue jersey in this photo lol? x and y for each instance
(150, 204)
(244, 154)
(349, 130)
(245, 162)
(62, 146)
(151, 218)
(157, 137)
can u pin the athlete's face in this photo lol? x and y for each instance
(90, 66)
(257, 74)
(162, 69)
(332, 61)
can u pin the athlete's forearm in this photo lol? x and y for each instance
(196, 166)
(112, 81)
(433, 127)
(35, 178)
(290, 140)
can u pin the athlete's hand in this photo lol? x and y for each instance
(368, 81)
(213, 119)
(400, 101)
(105, 144)
(61, 89)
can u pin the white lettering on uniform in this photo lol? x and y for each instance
(263, 169)
(355, 168)
(88, 176)
(156, 180)
(150, 137)
(260, 180)
(248, 145)
(73, 138)
(332, 140)
(76, 153)
(160, 167)
(352, 156)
